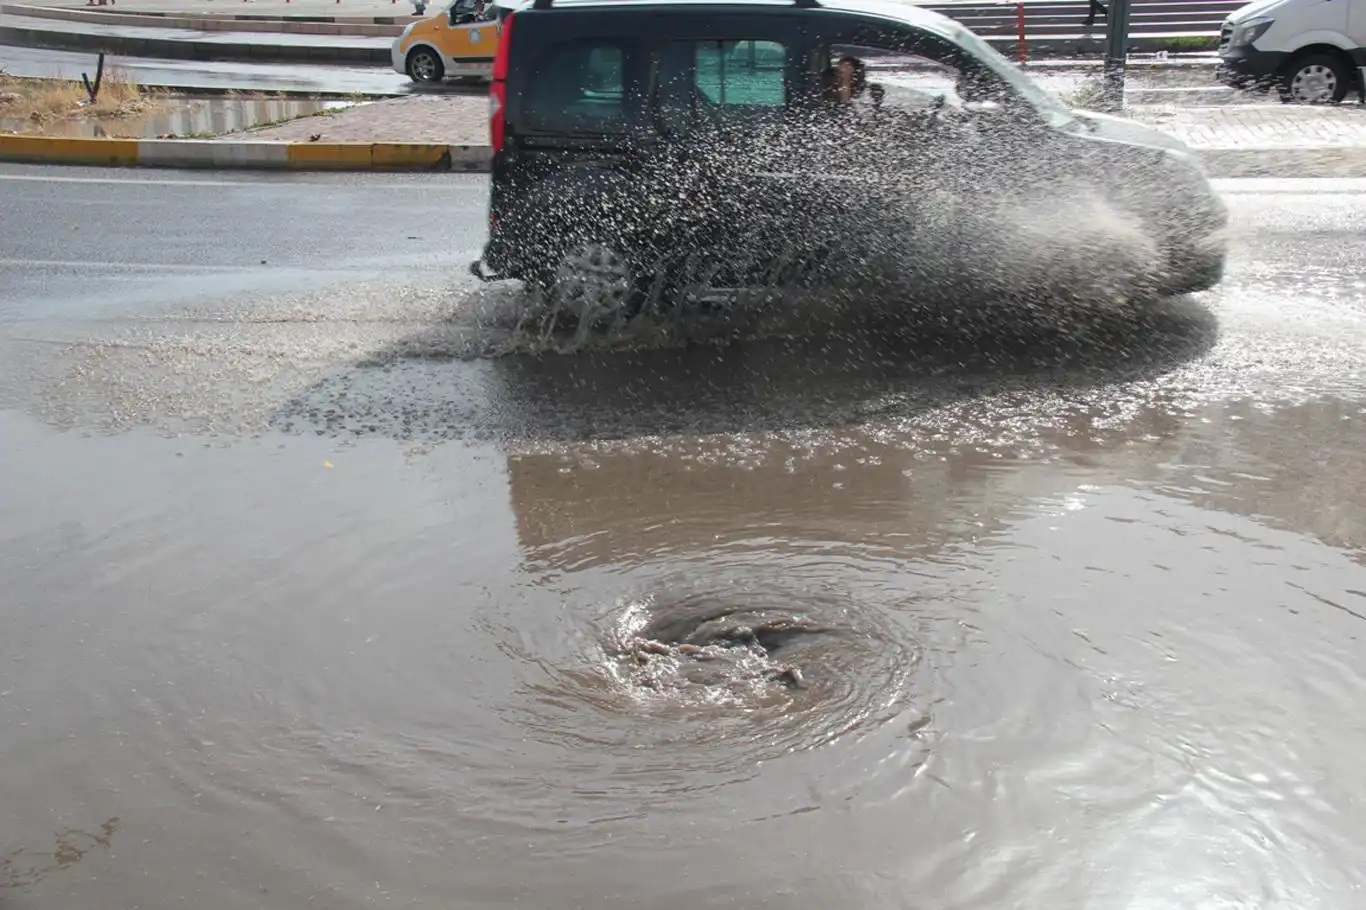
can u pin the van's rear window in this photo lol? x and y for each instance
(577, 87)
(710, 81)
(732, 73)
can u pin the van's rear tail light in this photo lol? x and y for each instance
(497, 119)
(498, 88)
(500, 57)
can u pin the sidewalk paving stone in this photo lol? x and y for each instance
(463, 120)
(1270, 127)
(451, 119)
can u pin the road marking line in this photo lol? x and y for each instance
(114, 264)
(455, 261)
(33, 178)
(276, 183)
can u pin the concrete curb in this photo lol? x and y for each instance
(177, 49)
(37, 10)
(206, 23)
(250, 155)
(417, 156)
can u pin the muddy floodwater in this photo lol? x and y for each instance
(361, 594)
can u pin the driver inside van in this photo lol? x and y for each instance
(846, 81)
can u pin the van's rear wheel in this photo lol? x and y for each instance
(425, 66)
(594, 282)
(599, 283)
(1315, 79)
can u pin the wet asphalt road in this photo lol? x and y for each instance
(158, 237)
(329, 583)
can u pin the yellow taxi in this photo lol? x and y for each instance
(460, 40)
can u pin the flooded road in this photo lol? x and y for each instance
(330, 585)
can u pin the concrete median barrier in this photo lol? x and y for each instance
(204, 22)
(174, 44)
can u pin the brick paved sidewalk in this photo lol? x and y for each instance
(452, 119)
(1235, 141)
(1273, 140)
(1271, 126)
(463, 120)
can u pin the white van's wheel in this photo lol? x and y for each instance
(425, 66)
(1315, 79)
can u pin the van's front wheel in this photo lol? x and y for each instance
(425, 66)
(1315, 79)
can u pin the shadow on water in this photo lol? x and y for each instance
(801, 374)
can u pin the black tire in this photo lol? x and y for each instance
(1315, 79)
(425, 66)
(560, 285)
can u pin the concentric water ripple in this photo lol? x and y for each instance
(706, 674)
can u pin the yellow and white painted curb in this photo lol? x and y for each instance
(208, 153)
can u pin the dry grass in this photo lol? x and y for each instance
(40, 101)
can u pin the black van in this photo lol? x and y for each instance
(641, 147)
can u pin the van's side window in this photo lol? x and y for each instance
(742, 72)
(577, 87)
(700, 80)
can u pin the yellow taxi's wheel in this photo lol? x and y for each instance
(425, 66)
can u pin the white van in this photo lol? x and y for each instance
(1309, 51)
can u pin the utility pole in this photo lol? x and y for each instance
(1116, 52)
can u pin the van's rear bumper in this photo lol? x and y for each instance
(478, 271)
(497, 262)
(501, 259)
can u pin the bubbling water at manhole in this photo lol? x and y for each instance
(719, 644)
(792, 666)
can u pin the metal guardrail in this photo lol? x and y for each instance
(1049, 18)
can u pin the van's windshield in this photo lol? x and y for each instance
(1049, 106)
